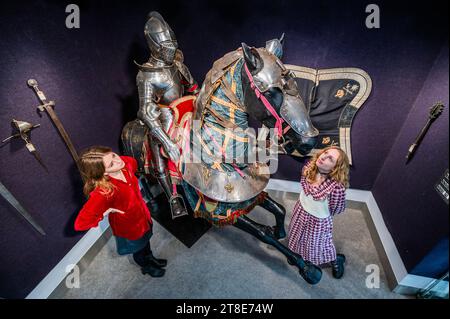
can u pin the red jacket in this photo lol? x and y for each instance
(127, 198)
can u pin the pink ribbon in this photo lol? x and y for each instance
(260, 96)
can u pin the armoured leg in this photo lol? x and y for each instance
(279, 212)
(310, 272)
(177, 206)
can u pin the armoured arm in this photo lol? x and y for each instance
(190, 85)
(149, 113)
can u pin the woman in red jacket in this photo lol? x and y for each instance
(113, 191)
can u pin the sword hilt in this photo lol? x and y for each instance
(42, 107)
(23, 128)
(32, 83)
(30, 147)
(11, 137)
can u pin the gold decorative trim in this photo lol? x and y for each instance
(355, 74)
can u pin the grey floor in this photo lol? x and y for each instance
(228, 263)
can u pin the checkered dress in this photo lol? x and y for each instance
(312, 237)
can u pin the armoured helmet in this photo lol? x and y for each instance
(160, 38)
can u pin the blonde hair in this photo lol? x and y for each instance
(93, 170)
(339, 172)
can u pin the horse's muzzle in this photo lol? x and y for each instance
(306, 145)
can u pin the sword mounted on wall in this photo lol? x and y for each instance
(48, 106)
(6, 194)
(24, 129)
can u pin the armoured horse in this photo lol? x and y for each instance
(219, 183)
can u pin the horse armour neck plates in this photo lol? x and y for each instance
(228, 187)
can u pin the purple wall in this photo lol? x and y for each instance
(405, 193)
(90, 74)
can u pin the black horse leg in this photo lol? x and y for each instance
(147, 193)
(279, 212)
(310, 272)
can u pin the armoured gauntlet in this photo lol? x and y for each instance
(170, 147)
(149, 115)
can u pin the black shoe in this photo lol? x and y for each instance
(156, 261)
(338, 266)
(153, 271)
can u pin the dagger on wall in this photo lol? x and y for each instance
(24, 129)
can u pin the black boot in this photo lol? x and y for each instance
(153, 271)
(338, 266)
(156, 261)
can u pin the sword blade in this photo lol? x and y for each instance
(39, 159)
(14, 203)
(62, 131)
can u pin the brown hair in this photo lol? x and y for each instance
(339, 172)
(93, 170)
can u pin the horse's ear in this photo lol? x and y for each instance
(282, 39)
(275, 46)
(251, 58)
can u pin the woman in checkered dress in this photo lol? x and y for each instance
(322, 195)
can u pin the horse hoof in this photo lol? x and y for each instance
(279, 232)
(311, 273)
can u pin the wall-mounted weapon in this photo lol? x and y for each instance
(24, 129)
(6, 194)
(435, 111)
(47, 106)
